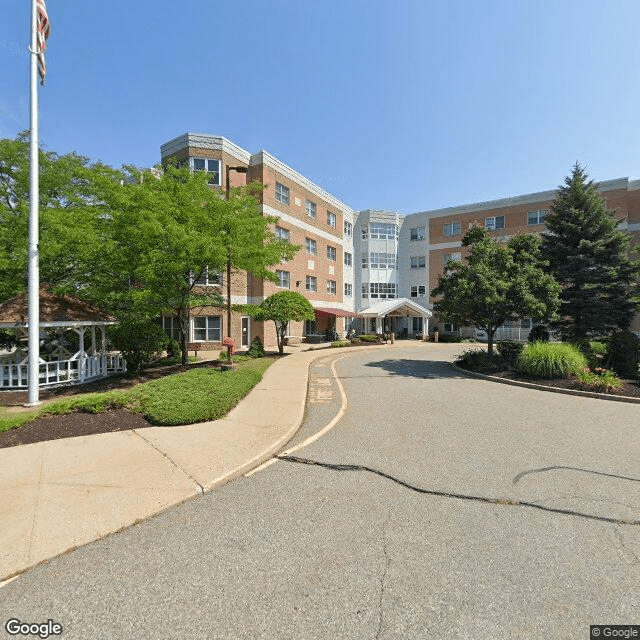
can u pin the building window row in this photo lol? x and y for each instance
(494, 222)
(380, 231)
(207, 278)
(418, 290)
(202, 329)
(376, 260)
(451, 229)
(536, 217)
(418, 262)
(419, 233)
(378, 290)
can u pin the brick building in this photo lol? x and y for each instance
(369, 269)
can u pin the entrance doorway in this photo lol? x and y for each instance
(246, 337)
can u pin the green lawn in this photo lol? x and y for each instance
(182, 398)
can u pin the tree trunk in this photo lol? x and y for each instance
(490, 335)
(183, 321)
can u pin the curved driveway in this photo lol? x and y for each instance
(307, 551)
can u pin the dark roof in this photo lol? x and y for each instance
(53, 308)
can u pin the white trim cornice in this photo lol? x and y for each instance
(204, 141)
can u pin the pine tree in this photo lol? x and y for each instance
(592, 260)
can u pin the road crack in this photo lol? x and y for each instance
(458, 496)
(383, 577)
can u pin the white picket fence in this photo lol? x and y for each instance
(78, 369)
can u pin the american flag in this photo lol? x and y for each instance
(42, 31)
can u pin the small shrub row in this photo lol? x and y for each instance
(341, 343)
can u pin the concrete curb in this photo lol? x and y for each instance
(542, 387)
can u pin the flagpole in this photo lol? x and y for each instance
(33, 269)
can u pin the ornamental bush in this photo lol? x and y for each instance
(256, 350)
(139, 341)
(624, 354)
(551, 360)
(509, 351)
(538, 333)
(478, 360)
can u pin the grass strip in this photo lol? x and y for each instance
(182, 398)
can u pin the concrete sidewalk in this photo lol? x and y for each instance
(58, 495)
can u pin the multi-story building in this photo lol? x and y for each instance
(371, 270)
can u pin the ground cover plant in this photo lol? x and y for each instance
(183, 398)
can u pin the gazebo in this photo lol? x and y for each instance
(57, 364)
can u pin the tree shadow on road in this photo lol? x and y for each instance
(416, 368)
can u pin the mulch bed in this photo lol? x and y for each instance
(629, 388)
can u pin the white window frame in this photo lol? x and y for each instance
(348, 259)
(332, 287)
(311, 283)
(210, 329)
(283, 234)
(418, 290)
(208, 163)
(451, 257)
(540, 213)
(311, 246)
(348, 229)
(418, 233)
(418, 262)
(451, 229)
(283, 193)
(332, 219)
(494, 222)
(332, 253)
(284, 279)
(311, 209)
(348, 290)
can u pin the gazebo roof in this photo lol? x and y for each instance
(55, 311)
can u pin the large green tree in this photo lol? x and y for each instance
(592, 260)
(71, 218)
(499, 282)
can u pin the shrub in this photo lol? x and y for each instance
(368, 338)
(509, 351)
(140, 341)
(478, 360)
(551, 360)
(340, 343)
(173, 349)
(538, 333)
(588, 352)
(602, 380)
(256, 350)
(355, 340)
(624, 354)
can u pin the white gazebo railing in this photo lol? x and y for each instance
(77, 369)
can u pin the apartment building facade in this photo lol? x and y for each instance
(369, 270)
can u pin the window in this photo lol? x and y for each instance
(382, 290)
(365, 289)
(451, 229)
(383, 231)
(171, 327)
(208, 278)
(348, 229)
(365, 232)
(416, 324)
(331, 219)
(536, 217)
(418, 262)
(450, 328)
(283, 279)
(348, 259)
(311, 283)
(311, 246)
(495, 222)
(450, 257)
(282, 193)
(282, 234)
(418, 233)
(310, 208)
(211, 166)
(348, 289)
(309, 327)
(331, 287)
(378, 260)
(207, 329)
(418, 290)
(331, 252)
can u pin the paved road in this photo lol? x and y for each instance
(443, 506)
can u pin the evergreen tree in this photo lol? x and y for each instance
(592, 260)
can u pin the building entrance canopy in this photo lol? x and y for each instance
(396, 308)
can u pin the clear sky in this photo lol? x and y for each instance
(407, 105)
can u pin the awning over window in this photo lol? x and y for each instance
(334, 311)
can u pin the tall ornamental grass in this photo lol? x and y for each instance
(551, 360)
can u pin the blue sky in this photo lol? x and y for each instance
(407, 105)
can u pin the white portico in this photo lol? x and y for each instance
(396, 314)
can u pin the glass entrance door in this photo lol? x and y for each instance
(246, 338)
